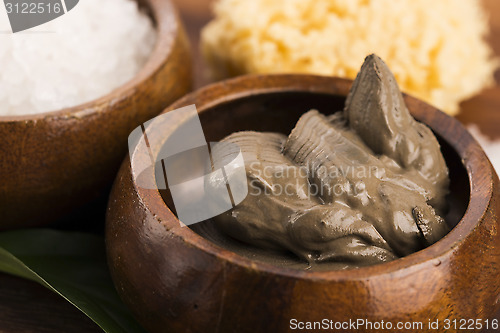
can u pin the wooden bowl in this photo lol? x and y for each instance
(52, 162)
(175, 280)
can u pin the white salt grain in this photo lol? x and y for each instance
(80, 56)
(490, 146)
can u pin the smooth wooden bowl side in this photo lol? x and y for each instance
(53, 162)
(174, 280)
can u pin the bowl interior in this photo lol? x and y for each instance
(161, 16)
(279, 112)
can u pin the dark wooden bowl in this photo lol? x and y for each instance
(52, 162)
(175, 280)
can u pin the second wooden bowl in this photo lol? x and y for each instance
(175, 280)
(53, 162)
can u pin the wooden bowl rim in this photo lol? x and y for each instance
(166, 23)
(471, 154)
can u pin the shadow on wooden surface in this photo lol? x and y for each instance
(28, 307)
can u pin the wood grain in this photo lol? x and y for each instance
(185, 280)
(17, 315)
(27, 307)
(56, 161)
(483, 109)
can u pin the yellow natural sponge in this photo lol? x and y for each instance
(434, 47)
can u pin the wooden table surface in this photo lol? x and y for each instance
(28, 307)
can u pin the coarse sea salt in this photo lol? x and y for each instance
(490, 146)
(78, 57)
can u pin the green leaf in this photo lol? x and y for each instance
(72, 265)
